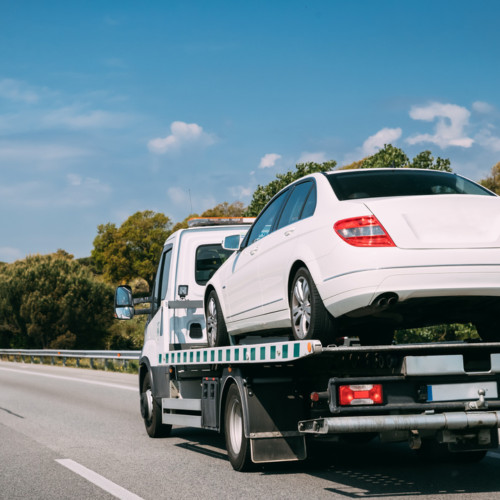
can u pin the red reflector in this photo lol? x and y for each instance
(350, 395)
(363, 231)
(314, 397)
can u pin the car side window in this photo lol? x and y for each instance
(264, 224)
(310, 205)
(295, 204)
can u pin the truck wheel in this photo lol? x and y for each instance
(151, 411)
(216, 326)
(237, 445)
(310, 319)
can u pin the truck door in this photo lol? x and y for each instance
(155, 328)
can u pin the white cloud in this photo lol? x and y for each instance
(269, 160)
(240, 192)
(15, 90)
(35, 153)
(182, 134)
(449, 130)
(307, 157)
(486, 139)
(74, 118)
(482, 107)
(378, 140)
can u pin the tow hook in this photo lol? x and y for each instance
(480, 404)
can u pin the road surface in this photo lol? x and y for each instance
(76, 433)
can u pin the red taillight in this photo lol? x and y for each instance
(350, 395)
(363, 231)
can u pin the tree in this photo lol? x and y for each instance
(493, 181)
(263, 194)
(235, 209)
(389, 156)
(426, 160)
(133, 249)
(51, 301)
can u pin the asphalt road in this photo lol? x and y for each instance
(74, 433)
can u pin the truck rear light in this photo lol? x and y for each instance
(351, 395)
(363, 231)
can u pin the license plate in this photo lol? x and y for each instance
(461, 392)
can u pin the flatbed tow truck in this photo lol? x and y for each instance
(270, 398)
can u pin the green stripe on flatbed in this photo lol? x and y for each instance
(274, 352)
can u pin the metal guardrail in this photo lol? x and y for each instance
(32, 354)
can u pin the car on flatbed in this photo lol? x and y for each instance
(362, 252)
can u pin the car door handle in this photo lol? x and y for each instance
(288, 232)
(254, 251)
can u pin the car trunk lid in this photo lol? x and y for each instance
(439, 221)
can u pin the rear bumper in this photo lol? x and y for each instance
(348, 292)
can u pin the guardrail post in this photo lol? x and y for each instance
(64, 361)
(52, 360)
(92, 363)
(78, 362)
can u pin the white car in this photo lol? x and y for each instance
(362, 252)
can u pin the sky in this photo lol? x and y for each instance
(112, 107)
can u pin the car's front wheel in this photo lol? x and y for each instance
(216, 326)
(310, 319)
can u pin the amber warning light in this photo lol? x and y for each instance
(351, 395)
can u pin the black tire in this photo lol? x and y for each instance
(310, 319)
(237, 445)
(217, 335)
(151, 411)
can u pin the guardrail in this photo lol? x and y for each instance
(53, 354)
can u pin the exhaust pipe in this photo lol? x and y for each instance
(385, 300)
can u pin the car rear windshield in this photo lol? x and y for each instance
(400, 182)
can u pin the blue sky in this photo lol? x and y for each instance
(110, 107)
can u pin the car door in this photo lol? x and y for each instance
(280, 249)
(241, 286)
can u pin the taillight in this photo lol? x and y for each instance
(363, 231)
(351, 395)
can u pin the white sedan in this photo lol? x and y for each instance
(362, 252)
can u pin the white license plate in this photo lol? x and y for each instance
(461, 392)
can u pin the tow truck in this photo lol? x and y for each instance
(272, 396)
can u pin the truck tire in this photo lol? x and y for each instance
(237, 445)
(151, 411)
(217, 335)
(310, 319)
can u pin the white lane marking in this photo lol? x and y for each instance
(73, 379)
(98, 480)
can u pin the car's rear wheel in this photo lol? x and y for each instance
(310, 319)
(216, 326)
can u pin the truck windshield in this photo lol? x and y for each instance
(377, 183)
(208, 259)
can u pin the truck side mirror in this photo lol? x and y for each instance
(124, 303)
(232, 242)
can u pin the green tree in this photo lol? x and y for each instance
(133, 249)
(492, 182)
(51, 301)
(426, 160)
(235, 209)
(263, 194)
(389, 156)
